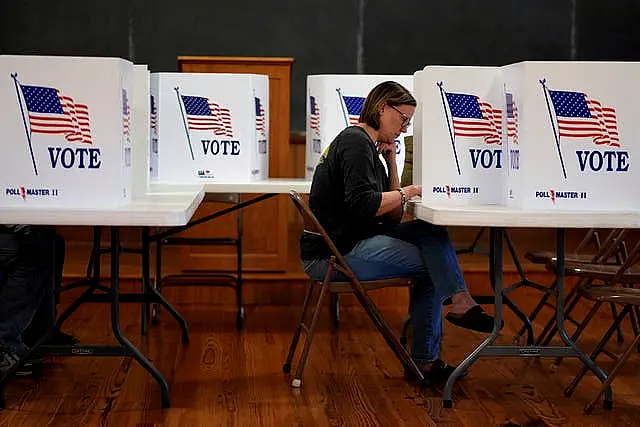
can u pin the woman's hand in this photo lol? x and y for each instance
(388, 150)
(413, 190)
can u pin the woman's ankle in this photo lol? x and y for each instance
(461, 302)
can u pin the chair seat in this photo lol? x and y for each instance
(602, 272)
(544, 257)
(343, 287)
(611, 294)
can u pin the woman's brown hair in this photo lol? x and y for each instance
(386, 93)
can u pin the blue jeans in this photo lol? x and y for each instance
(411, 249)
(26, 286)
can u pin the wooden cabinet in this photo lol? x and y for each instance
(265, 224)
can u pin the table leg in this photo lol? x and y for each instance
(115, 320)
(155, 309)
(495, 266)
(144, 320)
(493, 275)
(562, 331)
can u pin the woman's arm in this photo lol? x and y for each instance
(392, 200)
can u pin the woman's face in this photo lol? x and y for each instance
(394, 120)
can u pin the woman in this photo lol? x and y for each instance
(361, 207)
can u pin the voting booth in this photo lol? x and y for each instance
(209, 127)
(532, 135)
(335, 102)
(458, 136)
(576, 132)
(66, 135)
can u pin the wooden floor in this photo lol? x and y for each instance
(229, 378)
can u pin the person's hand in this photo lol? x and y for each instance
(388, 150)
(413, 190)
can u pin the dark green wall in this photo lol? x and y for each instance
(342, 36)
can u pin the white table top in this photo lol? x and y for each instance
(271, 185)
(174, 189)
(160, 209)
(503, 216)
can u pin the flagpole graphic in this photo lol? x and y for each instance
(453, 139)
(184, 121)
(555, 134)
(344, 112)
(14, 76)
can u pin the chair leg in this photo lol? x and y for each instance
(157, 282)
(334, 308)
(286, 367)
(297, 377)
(636, 312)
(614, 313)
(633, 320)
(614, 372)
(596, 352)
(404, 329)
(239, 281)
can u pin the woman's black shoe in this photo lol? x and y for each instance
(438, 372)
(475, 319)
(61, 338)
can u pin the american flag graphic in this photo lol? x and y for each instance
(51, 112)
(512, 118)
(126, 114)
(475, 118)
(314, 115)
(260, 128)
(204, 114)
(154, 115)
(579, 116)
(354, 108)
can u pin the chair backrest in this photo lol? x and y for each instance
(591, 237)
(611, 246)
(313, 226)
(632, 259)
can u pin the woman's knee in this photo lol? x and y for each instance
(389, 250)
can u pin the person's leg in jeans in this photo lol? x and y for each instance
(25, 277)
(47, 312)
(440, 260)
(58, 264)
(384, 257)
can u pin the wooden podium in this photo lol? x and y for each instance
(265, 224)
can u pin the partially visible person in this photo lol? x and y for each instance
(361, 206)
(29, 277)
(46, 315)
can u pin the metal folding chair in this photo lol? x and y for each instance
(543, 257)
(617, 289)
(349, 283)
(612, 252)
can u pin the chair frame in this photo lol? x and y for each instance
(359, 288)
(538, 257)
(611, 246)
(615, 291)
